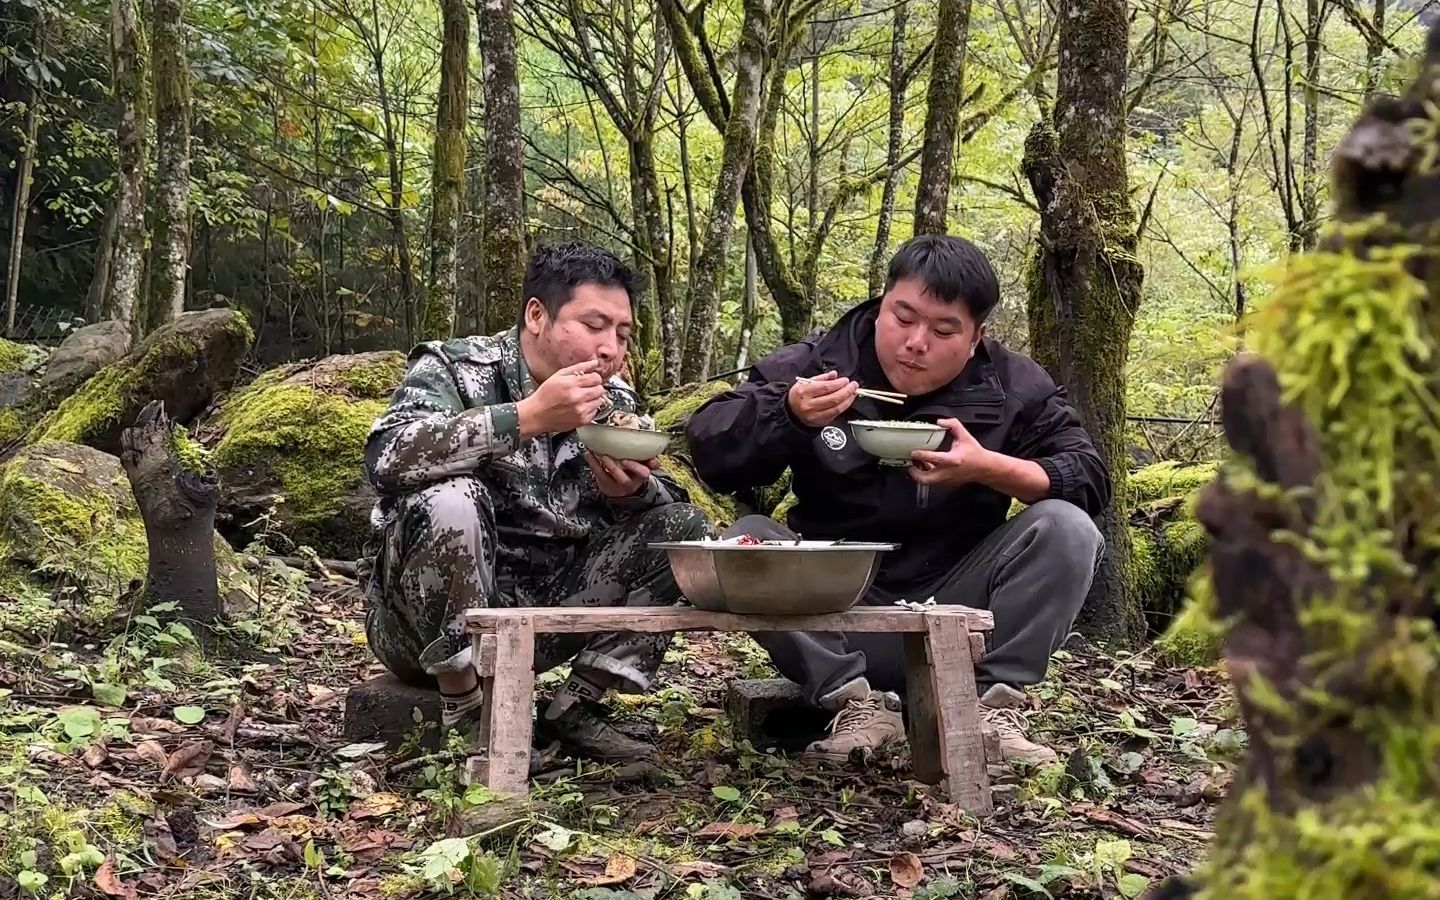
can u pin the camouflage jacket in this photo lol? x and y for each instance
(455, 414)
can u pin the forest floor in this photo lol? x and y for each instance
(129, 767)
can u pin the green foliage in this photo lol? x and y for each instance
(190, 453)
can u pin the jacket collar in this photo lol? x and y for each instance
(849, 348)
(518, 380)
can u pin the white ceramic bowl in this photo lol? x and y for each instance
(623, 443)
(893, 442)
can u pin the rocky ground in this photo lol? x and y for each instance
(130, 767)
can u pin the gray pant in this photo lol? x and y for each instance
(1033, 573)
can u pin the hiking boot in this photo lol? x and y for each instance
(864, 724)
(1002, 709)
(583, 731)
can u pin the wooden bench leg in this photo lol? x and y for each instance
(509, 697)
(477, 767)
(946, 743)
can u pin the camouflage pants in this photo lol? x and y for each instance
(442, 554)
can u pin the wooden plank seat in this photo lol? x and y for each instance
(941, 646)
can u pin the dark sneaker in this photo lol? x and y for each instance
(583, 731)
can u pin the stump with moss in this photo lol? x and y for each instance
(1322, 553)
(298, 433)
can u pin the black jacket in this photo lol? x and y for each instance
(746, 437)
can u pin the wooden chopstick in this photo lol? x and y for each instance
(887, 396)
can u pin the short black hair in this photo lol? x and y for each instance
(951, 268)
(555, 270)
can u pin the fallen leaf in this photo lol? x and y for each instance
(190, 759)
(619, 869)
(109, 883)
(320, 695)
(276, 810)
(786, 814)
(49, 757)
(233, 722)
(736, 830)
(996, 848)
(239, 779)
(207, 783)
(650, 825)
(376, 839)
(233, 821)
(1101, 816)
(701, 868)
(147, 725)
(158, 831)
(151, 751)
(262, 841)
(1000, 893)
(905, 870)
(95, 755)
(376, 805)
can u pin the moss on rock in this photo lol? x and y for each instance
(299, 432)
(183, 364)
(1194, 638)
(718, 508)
(1167, 544)
(676, 407)
(1165, 480)
(13, 356)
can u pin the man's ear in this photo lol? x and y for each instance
(979, 336)
(536, 316)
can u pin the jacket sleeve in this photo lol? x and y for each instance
(1051, 435)
(745, 437)
(427, 434)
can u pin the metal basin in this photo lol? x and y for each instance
(792, 579)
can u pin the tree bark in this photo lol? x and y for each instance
(23, 177)
(104, 264)
(749, 308)
(942, 116)
(172, 176)
(448, 194)
(898, 83)
(740, 129)
(504, 237)
(128, 60)
(1084, 282)
(177, 505)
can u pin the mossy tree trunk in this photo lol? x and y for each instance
(504, 226)
(1322, 542)
(449, 172)
(1084, 281)
(942, 115)
(171, 256)
(740, 127)
(177, 505)
(128, 64)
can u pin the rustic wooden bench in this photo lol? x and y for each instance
(941, 646)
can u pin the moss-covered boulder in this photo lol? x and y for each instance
(1194, 637)
(719, 508)
(67, 514)
(83, 354)
(185, 365)
(18, 365)
(1168, 544)
(298, 433)
(675, 408)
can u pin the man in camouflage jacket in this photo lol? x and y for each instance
(487, 498)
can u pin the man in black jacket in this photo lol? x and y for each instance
(1011, 435)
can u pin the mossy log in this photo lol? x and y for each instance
(176, 494)
(1322, 542)
(184, 365)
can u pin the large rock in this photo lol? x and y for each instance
(186, 364)
(1168, 544)
(18, 363)
(298, 432)
(83, 354)
(67, 513)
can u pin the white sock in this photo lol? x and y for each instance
(456, 708)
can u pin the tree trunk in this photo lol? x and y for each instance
(709, 272)
(879, 257)
(749, 308)
(448, 200)
(177, 505)
(104, 264)
(172, 175)
(23, 177)
(1315, 15)
(504, 238)
(942, 116)
(1321, 545)
(128, 60)
(1084, 283)
(1375, 49)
